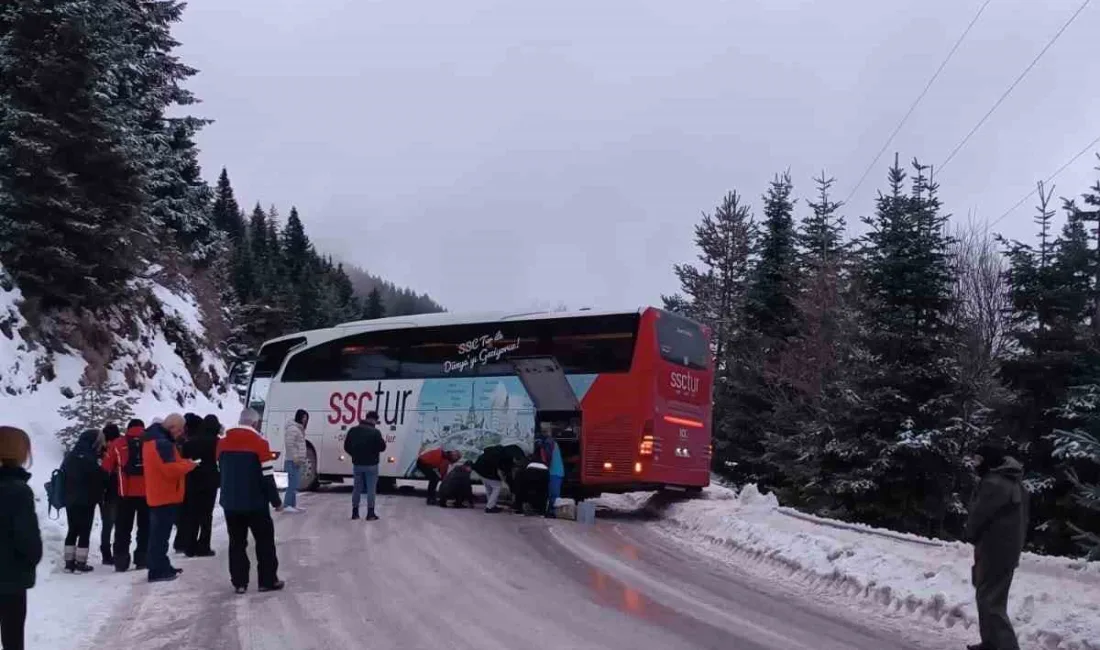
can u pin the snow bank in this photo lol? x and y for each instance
(30, 399)
(1055, 602)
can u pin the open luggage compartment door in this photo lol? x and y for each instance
(557, 409)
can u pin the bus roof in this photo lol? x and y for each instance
(442, 319)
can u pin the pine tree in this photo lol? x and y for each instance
(1079, 446)
(226, 213)
(70, 175)
(771, 298)
(297, 248)
(98, 403)
(374, 307)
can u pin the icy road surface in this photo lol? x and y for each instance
(429, 578)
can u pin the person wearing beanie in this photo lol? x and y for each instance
(997, 527)
(109, 505)
(85, 482)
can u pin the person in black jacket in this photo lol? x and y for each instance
(22, 548)
(364, 443)
(85, 482)
(185, 525)
(109, 506)
(494, 466)
(202, 489)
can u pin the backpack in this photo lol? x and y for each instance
(55, 493)
(134, 465)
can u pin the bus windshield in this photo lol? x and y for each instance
(682, 342)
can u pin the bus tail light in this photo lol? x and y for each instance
(637, 468)
(608, 466)
(646, 448)
(684, 422)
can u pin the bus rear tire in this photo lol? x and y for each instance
(310, 480)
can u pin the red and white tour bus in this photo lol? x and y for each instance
(642, 379)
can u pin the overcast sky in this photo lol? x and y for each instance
(498, 154)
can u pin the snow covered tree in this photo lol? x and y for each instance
(374, 307)
(226, 213)
(98, 403)
(70, 165)
(1079, 446)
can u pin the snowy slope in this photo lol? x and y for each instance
(31, 383)
(1055, 602)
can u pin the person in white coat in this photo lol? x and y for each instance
(296, 458)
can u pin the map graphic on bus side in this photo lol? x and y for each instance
(470, 414)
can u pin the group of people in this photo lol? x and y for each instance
(535, 481)
(156, 478)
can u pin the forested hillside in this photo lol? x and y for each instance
(111, 239)
(855, 376)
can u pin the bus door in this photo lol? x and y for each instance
(557, 409)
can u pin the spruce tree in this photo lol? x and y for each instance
(98, 403)
(374, 307)
(771, 298)
(70, 174)
(226, 212)
(1078, 446)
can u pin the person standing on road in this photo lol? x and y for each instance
(85, 482)
(108, 507)
(997, 526)
(248, 493)
(165, 484)
(192, 427)
(365, 444)
(123, 461)
(22, 548)
(201, 491)
(297, 455)
(434, 464)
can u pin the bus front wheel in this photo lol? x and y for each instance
(310, 480)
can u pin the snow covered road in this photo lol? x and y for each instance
(425, 577)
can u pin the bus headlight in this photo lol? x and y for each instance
(391, 460)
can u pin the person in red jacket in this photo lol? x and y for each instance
(123, 461)
(434, 464)
(165, 473)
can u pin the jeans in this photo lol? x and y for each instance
(161, 520)
(553, 492)
(259, 523)
(293, 475)
(366, 478)
(13, 619)
(131, 511)
(80, 525)
(492, 487)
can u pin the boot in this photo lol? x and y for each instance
(108, 557)
(82, 565)
(355, 513)
(371, 516)
(70, 559)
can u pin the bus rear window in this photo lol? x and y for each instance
(682, 342)
(271, 356)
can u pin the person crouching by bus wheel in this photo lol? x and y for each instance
(85, 483)
(297, 455)
(248, 493)
(22, 548)
(457, 486)
(365, 444)
(493, 466)
(531, 488)
(434, 464)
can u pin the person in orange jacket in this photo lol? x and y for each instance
(165, 474)
(123, 462)
(434, 464)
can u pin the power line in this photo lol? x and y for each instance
(1015, 83)
(917, 101)
(1049, 179)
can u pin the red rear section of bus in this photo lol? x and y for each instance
(651, 427)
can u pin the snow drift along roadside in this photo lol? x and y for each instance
(1055, 602)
